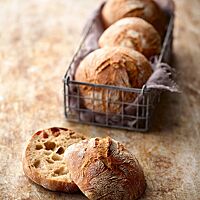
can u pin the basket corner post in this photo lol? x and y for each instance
(65, 85)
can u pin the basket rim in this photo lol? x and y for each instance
(143, 90)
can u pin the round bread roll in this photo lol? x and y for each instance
(104, 169)
(132, 32)
(121, 67)
(146, 9)
(43, 159)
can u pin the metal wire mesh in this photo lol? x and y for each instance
(132, 116)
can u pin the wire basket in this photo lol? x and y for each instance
(136, 116)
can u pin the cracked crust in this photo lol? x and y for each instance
(103, 169)
(121, 67)
(145, 9)
(43, 159)
(134, 33)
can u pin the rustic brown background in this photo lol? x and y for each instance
(37, 40)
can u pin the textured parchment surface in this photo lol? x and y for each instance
(37, 40)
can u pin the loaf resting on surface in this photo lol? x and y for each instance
(146, 9)
(132, 32)
(119, 66)
(43, 160)
(104, 169)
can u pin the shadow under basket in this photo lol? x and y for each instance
(135, 115)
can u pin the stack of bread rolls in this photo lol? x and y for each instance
(133, 34)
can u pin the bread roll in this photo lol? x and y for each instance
(146, 9)
(111, 66)
(43, 160)
(104, 169)
(132, 32)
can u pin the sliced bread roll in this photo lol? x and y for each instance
(43, 160)
(104, 169)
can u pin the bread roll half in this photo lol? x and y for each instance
(120, 67)
(43, 159)
(132, 32)
(104, 169)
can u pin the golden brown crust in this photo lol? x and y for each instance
(43, 159)
(146, 9)
(132, 32)
(104, 169)
(111, 66)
